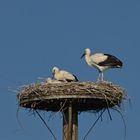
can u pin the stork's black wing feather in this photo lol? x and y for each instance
(111, 61)
(76, 80)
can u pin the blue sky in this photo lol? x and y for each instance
(37, 35)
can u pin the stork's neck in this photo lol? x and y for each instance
(88, 60)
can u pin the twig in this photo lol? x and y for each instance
(19, 122)
(17, 116)
(107, 106)
(122, 120)
(59, 109)
(93, 125)
(46, 124)
(31, 112)
(109, 113)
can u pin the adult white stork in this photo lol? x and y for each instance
(101, 62)
(62, 75)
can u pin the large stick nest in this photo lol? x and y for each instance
(84, 96)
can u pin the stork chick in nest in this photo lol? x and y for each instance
(62, 75)
(52, 81)
(101, 62)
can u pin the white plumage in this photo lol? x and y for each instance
(101, 62)
(52, 81)
(62, 75)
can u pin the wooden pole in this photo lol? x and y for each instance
(75, 124)
(70, 123)
(65, 124)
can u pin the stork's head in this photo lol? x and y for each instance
(86, 52)
(55, 70)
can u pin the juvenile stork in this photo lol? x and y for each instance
(101, 62)
(62, 75)
(52, 81)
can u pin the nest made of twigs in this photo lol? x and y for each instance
(84, 96)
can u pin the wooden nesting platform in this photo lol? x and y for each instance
(83, 96)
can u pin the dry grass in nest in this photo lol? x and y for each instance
(84, 96)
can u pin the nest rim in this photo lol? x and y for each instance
(80, 102)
